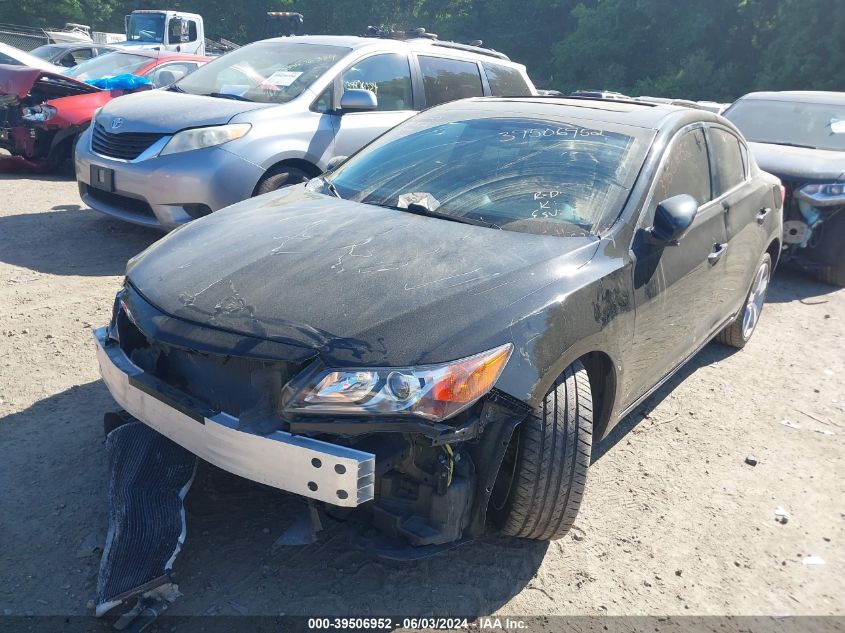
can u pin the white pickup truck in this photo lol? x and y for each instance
(163, 29)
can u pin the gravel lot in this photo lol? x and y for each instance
(674, 522)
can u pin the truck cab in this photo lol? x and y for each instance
(166, 30)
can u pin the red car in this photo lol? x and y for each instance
(42, 113)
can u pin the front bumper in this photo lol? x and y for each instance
(312, 468)
(166, 191)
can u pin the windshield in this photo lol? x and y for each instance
(543, 176)
(816, 125)
(146, 27)
(46, 52)
(107, 65)
(268, 72)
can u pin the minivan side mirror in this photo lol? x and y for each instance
(672, 219)
(357, 100)
(335, 162)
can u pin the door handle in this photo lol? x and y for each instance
(716, 255)
(762, 213)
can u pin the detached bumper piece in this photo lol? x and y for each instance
(311, 468)
(150, 476)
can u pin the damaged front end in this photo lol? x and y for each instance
(41, 113)
(416, 450)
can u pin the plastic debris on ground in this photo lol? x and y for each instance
(791, 424)
(812, 560)
(149, 478)
(781, 515)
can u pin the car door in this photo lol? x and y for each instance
(675, 286)
(744, 202)
(388, 75)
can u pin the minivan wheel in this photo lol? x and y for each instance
(739, 331)
(278, 177)
(542, 485)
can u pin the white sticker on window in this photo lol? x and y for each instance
(837, 126)
(282, 78)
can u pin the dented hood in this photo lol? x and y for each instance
(306, 269)
(18, 81)
(799, 164)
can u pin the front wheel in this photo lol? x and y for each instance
(542, 480)
(279, 177)
(739, 331)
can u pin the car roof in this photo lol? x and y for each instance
(444, 47)
(160, 55)
(623, 112)
(77, 45)
(800, 96)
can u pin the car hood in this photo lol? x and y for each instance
(799, 163)
(165, 112)
(17, 81)
(356, 283)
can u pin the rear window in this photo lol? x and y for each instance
(449, 79)
(542, 176)
(815, 125)
(505, 81)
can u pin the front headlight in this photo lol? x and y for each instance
(435, 392)
(823, 194)
(39, 113)
(204, 137)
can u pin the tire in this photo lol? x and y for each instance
(279, 177)
(552, 454)
(738, 332)
(828, 252)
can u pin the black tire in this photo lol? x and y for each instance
(735, 333)
(827, 253)
(553, 447)
(279, 177)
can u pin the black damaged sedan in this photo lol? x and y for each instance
(437, 331)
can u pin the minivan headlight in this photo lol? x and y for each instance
(200, 137)
(435, 392)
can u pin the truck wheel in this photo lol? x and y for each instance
(738, 332)
(828, 252)
(541, 483)
(278, 177)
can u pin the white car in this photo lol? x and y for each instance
(16, 57)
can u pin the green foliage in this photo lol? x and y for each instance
(695, 49)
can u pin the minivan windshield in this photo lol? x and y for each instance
(535, 175)
(268, 72)
(815, 125)
(107, 65)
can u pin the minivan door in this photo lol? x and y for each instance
(388, 76)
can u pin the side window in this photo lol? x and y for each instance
(80, 55)
(388, 76)
(449, 79)
(166, 74)
(726, 159)
(686, 170)
(324, 102)
(505, 81)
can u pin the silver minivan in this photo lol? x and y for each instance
(268, 115)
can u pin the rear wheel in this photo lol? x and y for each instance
(542, 480)
(279, 177)
(739, 331)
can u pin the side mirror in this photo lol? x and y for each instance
(672, 219)
(356, 100)
(335, 162)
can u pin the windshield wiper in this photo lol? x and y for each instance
(786, 144)
(418, 209)
(226, 95)
(174, 88)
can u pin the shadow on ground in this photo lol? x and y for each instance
(71, 240)
(792, 284)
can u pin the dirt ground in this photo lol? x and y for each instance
(674, 522)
